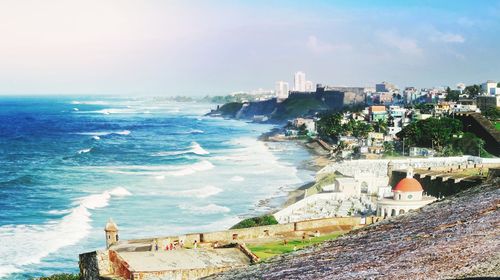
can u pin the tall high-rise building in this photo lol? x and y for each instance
(281, 90)
(299, 81)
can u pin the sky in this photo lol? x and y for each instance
(169, 47)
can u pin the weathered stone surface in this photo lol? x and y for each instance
(456, 237)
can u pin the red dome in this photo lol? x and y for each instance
(408, 185)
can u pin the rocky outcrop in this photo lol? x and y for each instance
(453, 238)
(297, 104)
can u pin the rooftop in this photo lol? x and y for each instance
(184, 259)
(408, 185)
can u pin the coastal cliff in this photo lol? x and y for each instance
(297, 104)
(453, 238)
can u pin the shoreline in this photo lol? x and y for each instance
(319, 159)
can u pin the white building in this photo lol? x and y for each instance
(281, 90)
(490, 87)
(309, 86)
(310, 124)
(407, 195)
(299, 82)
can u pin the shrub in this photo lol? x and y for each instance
(256, 221)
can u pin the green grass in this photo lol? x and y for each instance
(268, 250)
(295, 107)
(497, 125)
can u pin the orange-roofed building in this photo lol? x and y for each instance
(377, 113)
(406, 195)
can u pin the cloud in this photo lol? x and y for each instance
(405, 45)
(317, 46)
(447, 37)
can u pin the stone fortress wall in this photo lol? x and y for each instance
(96, 264)
(379, 167)
(241, 235)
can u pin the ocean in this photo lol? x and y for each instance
(156, 167)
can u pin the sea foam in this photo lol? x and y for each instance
(28, 244)
(199, 193)
(84, 151)
(195, 148)
(205, 210)
(104, 133)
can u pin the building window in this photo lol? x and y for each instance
(410, 196)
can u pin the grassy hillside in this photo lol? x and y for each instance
(294, 107)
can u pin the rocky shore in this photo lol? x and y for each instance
(457, 237)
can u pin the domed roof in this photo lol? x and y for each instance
(408, 185)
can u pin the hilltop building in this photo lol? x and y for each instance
(385, 87)
(406, 195)
(490, 87)
(377, 113)
(281, 90)
(309, 86)
(299, 82)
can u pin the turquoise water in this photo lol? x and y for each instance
(156, 167)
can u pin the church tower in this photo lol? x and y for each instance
(111, 231)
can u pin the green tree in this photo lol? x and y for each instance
(469, 144)
(330, 125)
(472, 91)
(425, 108)
(361, 129)
(492, 113)
(453, 95)
(431, 133)
(389, 148)
(302, 129)
(381, 126)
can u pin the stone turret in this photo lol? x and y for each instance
(111, 231)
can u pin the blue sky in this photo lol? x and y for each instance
(213, 47)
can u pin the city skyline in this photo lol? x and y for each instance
(199, 48)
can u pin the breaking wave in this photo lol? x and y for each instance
(84, 151)
(237, 179)
(205, 210)
(104, 133)
(159, 172)
(28, 244)
(199, 193)
(195, 148)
